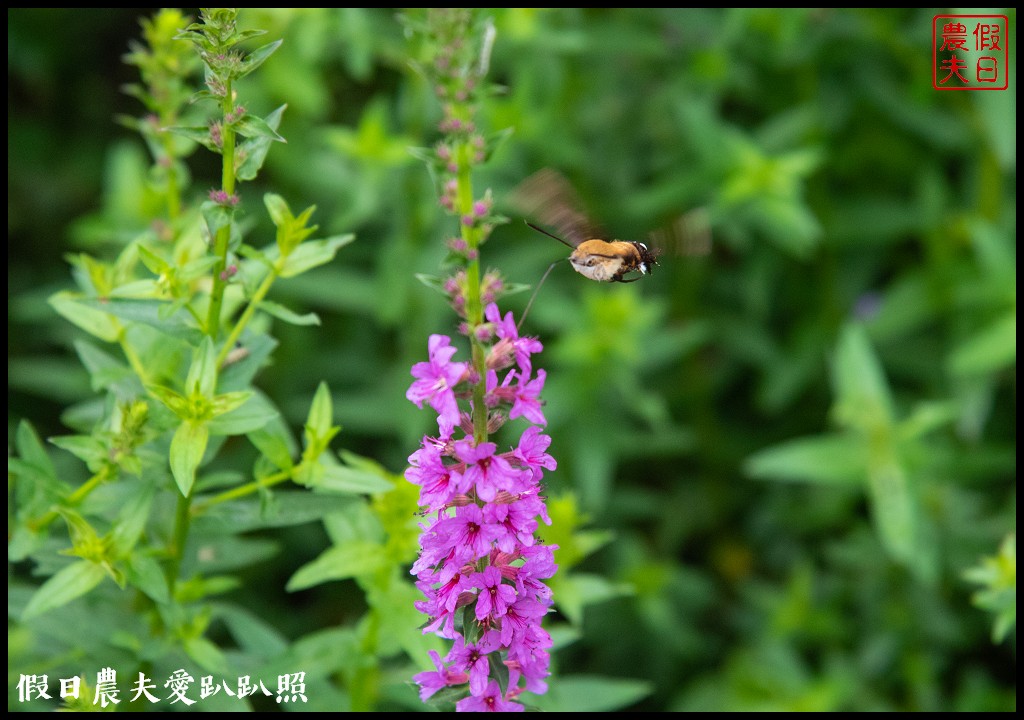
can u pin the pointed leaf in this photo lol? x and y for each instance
(253, 152)
(990, 349)
(289, 316)
(573, 592)
(198, 133)
(252, 126)
(206, 655)
(274, 444)
(584, 693)
(314, 253)
(277, 207)
(68, 583)
(863, 398)
(257, 57)
(320, 420)
(32, 452)
(144, 572)
(87, 316)
(433, 282)
(177, 403)
(249, 416)
(187, 448)
(202, 373)
(86, 448)
(830, 459)
(104, 369)
(131, 522)
(898, 516)
(148, 312)
(338, 563)
(229, 402)
(339, 478)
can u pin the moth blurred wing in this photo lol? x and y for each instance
(689, 235)
(549, 199)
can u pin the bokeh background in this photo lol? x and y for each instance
(717, 425)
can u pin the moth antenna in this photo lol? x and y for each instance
(550, 235)
(535, 291)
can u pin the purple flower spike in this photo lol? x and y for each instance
(481, 566)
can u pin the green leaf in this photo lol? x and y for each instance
(176, 402)
(252, 126)
(257, 57)
(254, 151)
(288, 508)
(998, 595)
(88, 316)
(33, 487)
(68, 583)
(992, 348)
(496, 140)
(325, 650)
(277, 208)
(178, 324)
(104, 369)
(314, 253)
(573, 543)
(241, 36)
(837, 459)
(926, 417)
(338, 563)
(86, 448)
(575, 591)
(289, 316)
(225, 403)
(48, 376)
(202, 373)
(196, 133)
(371, 142)
(427, 155)
(252, 355)
(131, 522)
(897, 514)
(206, 655)
(342, 479)
(584, 693)
(187, 448)
(32, 452)
(252, 415)
(863, 399)
(216, 216)
(433, 282)
(252, 634)
(320, 420)
(146, 574)
(153, 262)
(274, 443)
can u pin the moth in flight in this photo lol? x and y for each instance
(547, 197)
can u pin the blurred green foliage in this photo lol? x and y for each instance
(789, 452)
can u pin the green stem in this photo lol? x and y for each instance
(182, 520)
(133, 359)
(223, 234)
(474, 307)
(173, 191)
(242, 491)
(81, 492)
(250, 310)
